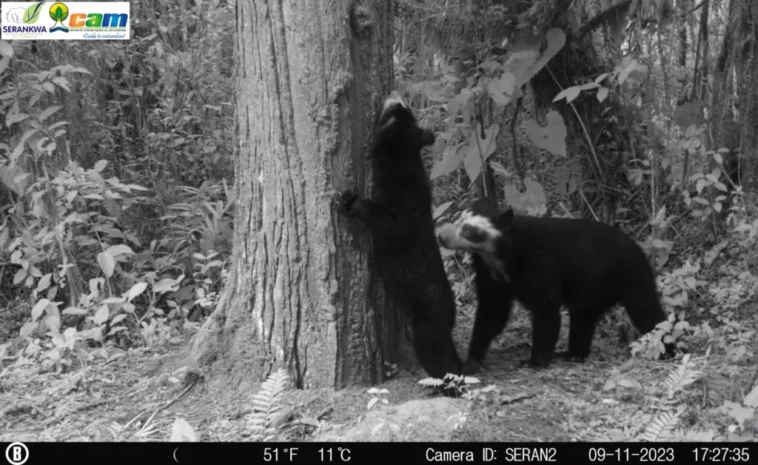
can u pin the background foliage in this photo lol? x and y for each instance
(116, 168)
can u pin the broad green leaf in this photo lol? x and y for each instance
(5, 49)
(520, 60)
(44, 282)
(53, 323)
(19, 149)
(48, 112)
(100, 165)
(602, 94)
(500, 169)
(556, 39)
(102, 314)
(107, 263)
(181, 431)
(751, 399)
(164, 285)
(551, 137)
(450, 161)
(116, 329)
(136, 290)
(440, 210)
(19, 276)
(569, 94)
(120, 249)
(28, 328)
(532, 197)
(95, 333)
(601, 78)
(502, 88)
(74, 311)
(39, 308)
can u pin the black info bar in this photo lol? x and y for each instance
(142, 453)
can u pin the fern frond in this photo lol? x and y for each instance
(614, 435)
(661, 427)
(681, 377)
(267, 403)
(695, 435)
(113, 208)
(431, 382)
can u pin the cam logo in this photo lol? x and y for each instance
(98, 20)
(59, 13)
(65, 20)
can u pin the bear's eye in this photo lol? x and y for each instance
(473, 234)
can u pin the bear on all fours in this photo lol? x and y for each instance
(399, 218)
(544, 263)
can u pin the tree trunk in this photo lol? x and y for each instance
(311, 78)
(748, 95)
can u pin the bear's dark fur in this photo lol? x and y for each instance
(546, 262)
(399, 217)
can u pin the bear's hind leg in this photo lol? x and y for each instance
(581, 330)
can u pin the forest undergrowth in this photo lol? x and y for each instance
(117, 206)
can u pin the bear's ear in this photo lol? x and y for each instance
(505, 218)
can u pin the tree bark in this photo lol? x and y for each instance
(748, 93)
(311, 78)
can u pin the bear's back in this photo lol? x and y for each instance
(583, 260)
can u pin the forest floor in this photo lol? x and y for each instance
(132, 396)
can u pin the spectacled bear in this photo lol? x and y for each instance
(399, 218)
(544, 263)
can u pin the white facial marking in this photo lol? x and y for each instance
(451, 237)
(395, 99)
(479, 222)
(389, 123)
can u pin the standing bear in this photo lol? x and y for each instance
(399, 218)
(544, 263)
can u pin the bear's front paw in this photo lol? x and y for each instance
(346, 201)
(570, 356)
(535, 362)
(472, 366)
